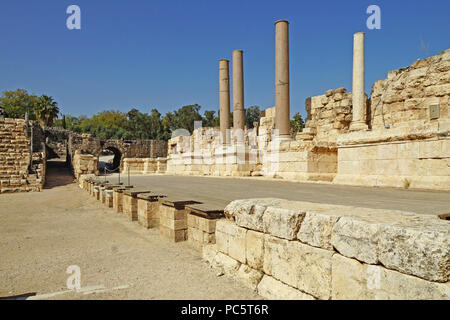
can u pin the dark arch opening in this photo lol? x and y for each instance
(109, 158)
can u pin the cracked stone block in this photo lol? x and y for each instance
(273, 289)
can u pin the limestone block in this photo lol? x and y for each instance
(192, 220)
(172, 235)
(225, 263)
(300, 266)
(386, 152)
(357, 281)
(207, 225)
(316, 229)
(408, 150)
(422, 250)
(249, 213)
(282, 223)
(248, 276)
(312, 269)
(230, 239)
(430, 149)
(172, 223)
(172, 213)
(277, 260)
(272, 289)
(291, 156)
(236, 245)
(148, 213)
(254, 249)
(356, 239)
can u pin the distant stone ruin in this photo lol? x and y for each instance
(399, 137)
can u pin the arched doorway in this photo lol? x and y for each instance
(109, 158)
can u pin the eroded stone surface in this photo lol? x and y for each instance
(316, 229)
(354, 280)
(282, 223)
(272, 289)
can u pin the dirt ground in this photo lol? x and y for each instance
(42, 234)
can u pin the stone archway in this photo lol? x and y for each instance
(110, 158)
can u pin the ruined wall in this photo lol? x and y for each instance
(85, 144)
(56, 140)
(328, 116)
(16, 175)
(301, 250)
(144, 165)
(202, 153)
(409, 144)
(84, 164)
(406, 96)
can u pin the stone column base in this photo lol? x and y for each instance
(357, 126)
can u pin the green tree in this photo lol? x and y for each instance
(252, 115)
(47, 110)
(297, 123)
(210, 119)
(16, 103)
(184, 117)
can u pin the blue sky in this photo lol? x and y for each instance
(164, 54)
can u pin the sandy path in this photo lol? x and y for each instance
(44, 233)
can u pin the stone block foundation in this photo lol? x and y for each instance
(173, 219)
(299, 250)
(148, 210)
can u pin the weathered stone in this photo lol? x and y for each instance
(282, 223)
(272, 289)
(316, 229)
(356, 239)
(249, 213)
(298, 265)
(312, 269)
(230, 239)
(421, 250)
(248, 276)
(254, 249)
(357, 281)
(225, 263)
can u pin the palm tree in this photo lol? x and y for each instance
(47, 110)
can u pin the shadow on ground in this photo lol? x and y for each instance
(58, 174)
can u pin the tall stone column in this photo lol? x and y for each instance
(238, 90)
(282, 100)
(224, 98)
(358, 94)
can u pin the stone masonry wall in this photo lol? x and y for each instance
(84, 164)
(16, 175)
(144, 165)
(404, 98)
(408, 145)
(328, 116)
(300, 250)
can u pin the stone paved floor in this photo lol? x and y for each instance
(220, 191)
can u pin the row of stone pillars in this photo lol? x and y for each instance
(282, 92)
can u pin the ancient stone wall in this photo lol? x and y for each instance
(90, 147)
(56, 140)
(408, 145)
(16, 173)
(84, 164)
(300, 250)
(328, 116)
(144, 165)
(408, 96)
